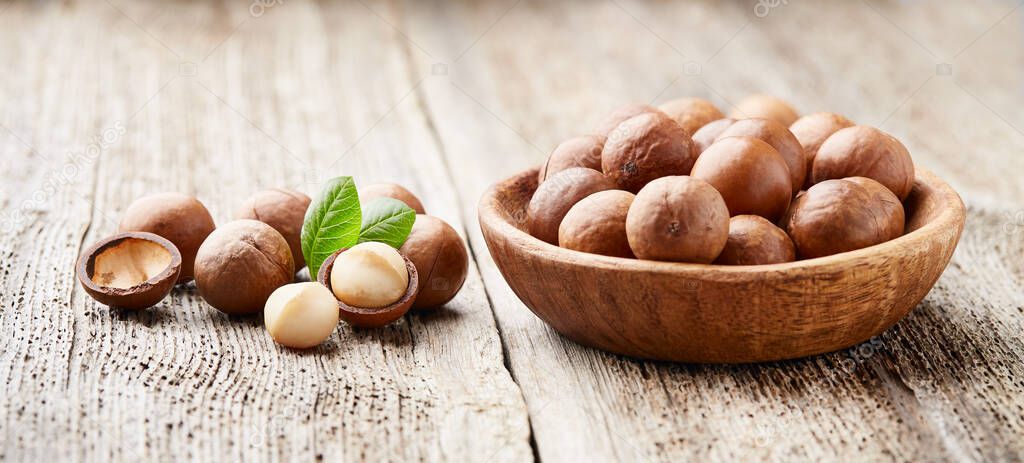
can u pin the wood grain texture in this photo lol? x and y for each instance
(446, 98)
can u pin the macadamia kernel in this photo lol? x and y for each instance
(301, 315)
(369, 275)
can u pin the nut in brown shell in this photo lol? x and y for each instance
(241, 264)
(597, 224)
(812, 130)
(646, 147)
(365, 317)
(706, 135)
(129, 252)
(691, 113)
(557, 195)
(619, 115)
(841, 215)
(284, 210)
(862, 151)
(780, 138)
(582, 151)
(679, 219)
(753, 240)
(441, 260)
(751, 176)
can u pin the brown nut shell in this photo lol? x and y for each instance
(240, 264)
(751, 176)
(841, 215)
(812, 130)
(284, 210)
(364, 317)
(441, 260)
(582, 151)
(178, 218)
(753, 240)
(862, 151)
(780, 138)
(706, 135)
(620, 115)
(597, 224)
(765, 107)
(390, 190)
(554, 197)
(646, 147)
(691, 113)
(145, 254)
(678, 218)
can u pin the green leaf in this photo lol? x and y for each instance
(388, 221)
(332, 222)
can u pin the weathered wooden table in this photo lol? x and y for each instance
(104, 101)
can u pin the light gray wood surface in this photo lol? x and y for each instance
(104, 101)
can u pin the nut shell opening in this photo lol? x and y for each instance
(369, 317)
(132, 270)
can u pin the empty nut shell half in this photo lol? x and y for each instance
(366, 317)
(132, 270)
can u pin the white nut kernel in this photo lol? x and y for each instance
(301, 315)
(370, 275)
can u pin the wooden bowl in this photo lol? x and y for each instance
(723, 314)
(372, 317)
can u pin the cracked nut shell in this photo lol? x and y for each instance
(843, 215)
(582, 151)
(132, 270)
(862, 151)
(691, 113)
(597, 224)
(178, 218)
(365, 317)
(780, 138)
(765, 107)
(646, 147)
(751, 176)
(678, 218)
(284, 210)
(753, 240)
(812, 130)
(441, 260)
(240, 264)
(390, 190)
(554, 197)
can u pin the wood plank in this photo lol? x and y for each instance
(942, 385)
(227, 103)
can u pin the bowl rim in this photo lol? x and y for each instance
(950, 217)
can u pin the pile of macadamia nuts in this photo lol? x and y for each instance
(684, 183)
(249, 264)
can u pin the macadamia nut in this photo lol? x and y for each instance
(691, 113)
(597, 224)
(584, 151)
(706, 135)
(678, 218)
(390, 190)
(765, 107)
(812, 130)
(751, 176)
(240, 264)
(646, 147)
(178, 218)
(284, 210)
(369, 275)
(862, 151)
(779, 137)
(555, 196)
(301, 315)
(441, 260)
(843, 215)
(753, 240)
